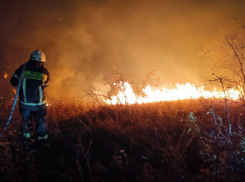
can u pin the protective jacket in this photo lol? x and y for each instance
(35, 79)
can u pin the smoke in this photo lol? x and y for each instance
(84, 39)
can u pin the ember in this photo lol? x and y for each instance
(5, 75)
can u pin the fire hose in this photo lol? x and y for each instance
(15, 100)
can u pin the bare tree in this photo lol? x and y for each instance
(226, 59)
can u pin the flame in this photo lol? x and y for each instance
(181, 92)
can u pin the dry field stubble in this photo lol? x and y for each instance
(166, 141)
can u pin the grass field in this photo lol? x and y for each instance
(187, 140)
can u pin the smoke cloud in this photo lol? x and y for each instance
(83, 39)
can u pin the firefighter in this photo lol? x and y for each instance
(32, 101)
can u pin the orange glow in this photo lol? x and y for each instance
(181, 92)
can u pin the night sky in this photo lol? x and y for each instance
(83, 39)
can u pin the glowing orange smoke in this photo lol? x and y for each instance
(181, 92)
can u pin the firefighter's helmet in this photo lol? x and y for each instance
(38, 55)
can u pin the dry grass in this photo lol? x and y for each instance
(148, 142)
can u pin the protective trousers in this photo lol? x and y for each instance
(39, 115)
